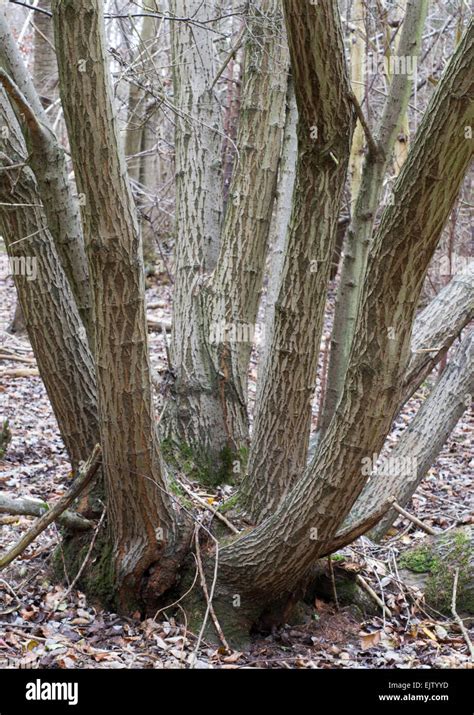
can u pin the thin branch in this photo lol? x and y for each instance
(414, 519)
(81, 481)
(374, 148)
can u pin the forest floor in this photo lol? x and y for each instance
(43, 624)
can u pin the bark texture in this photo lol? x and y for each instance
(359, 234)
(140, 514)
(275, 557)
(288, 375)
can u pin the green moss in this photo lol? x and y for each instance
(419, 560)
(198, 466)
(98, 578)
(440, 558)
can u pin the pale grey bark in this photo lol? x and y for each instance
(359, 234)
(48, 161)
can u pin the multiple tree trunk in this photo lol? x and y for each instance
(85, 313)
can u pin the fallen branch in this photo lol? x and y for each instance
(17, 358)
(28, 506)
(159, 326)
(458, 618)
(414, 519)
(82, 480)
(367, 587)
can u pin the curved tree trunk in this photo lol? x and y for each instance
(50, 313)
(287, 376)
(48, 161)
(360, 231)
(267, 564)
(140, 514)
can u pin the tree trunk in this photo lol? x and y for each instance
(215, 319)
(266, 565)
(51, 317)
(48, 161)
(360, 231)
(141, 519)
(287, 376)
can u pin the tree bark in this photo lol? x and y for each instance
(214, 319)
(141, 518)
(287, 376)
(422, 441)
(267, 564)
(437, 327)
(52, 320)
(360, 231)
(48, 161)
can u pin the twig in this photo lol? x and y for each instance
(210, 607)
(333, 582)
(82, 480)
(89, 552)
(362, 582)
(458, 618)
(429, 530)
(210, 508)
(236, 47)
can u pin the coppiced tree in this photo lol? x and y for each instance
(298, 510)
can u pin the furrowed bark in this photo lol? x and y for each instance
(140, 514)
(237, 281)
(194, 416)
(276, 556)
(52, 320)
(437, 327)
(211, 387)
(284, 200)
(360, 231)
(48, 161)
(417, 449)
(287, 376)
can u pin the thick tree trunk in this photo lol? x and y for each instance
(50, 313)
(266, 565)
(48, 161)
(141, 518)
(364, 212)
(214, 320)
(287, 376)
